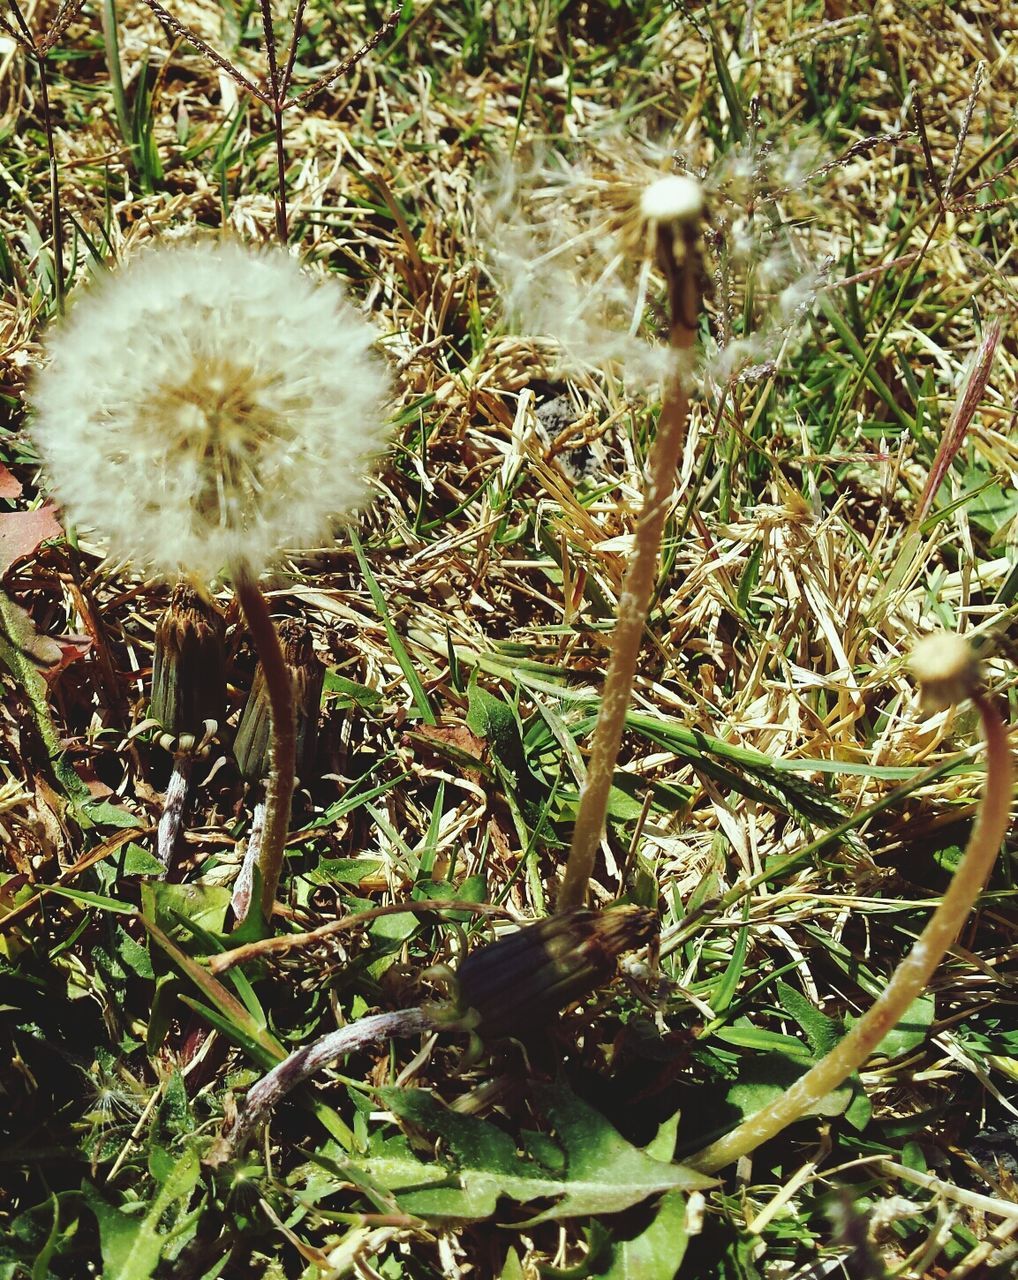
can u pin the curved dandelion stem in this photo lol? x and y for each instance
(638, 584)
(910, 978)
(280, 784)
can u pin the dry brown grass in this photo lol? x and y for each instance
(796, 578)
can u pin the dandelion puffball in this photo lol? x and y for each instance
(207, 406)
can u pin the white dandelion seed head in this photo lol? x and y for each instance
(207, 406)
(566, 241)
(552, 244)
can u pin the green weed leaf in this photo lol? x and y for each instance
(821, 1031)
(132, 1247)
(600, 1171)
(911, 1031)
(657, 1253)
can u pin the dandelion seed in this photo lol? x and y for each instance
(207, 406)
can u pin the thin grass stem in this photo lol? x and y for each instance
(56, 216)
(277, 91)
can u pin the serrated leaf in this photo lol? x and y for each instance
(133, 955)
(132, 1247)
(859, 1111)
(512, 1268)
(204, 905)
(767, 1077)
(136, 861)
(662, 1145)
(495, 721)
(105, 814)
(603, 1173)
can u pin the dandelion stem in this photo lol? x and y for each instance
(240, 902)
(273, 1087)
(175, 805)
(280, 784)
(638, 583)
(910, 978)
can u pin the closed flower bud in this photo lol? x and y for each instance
(518, 983)
(188, 667)
(307, 672)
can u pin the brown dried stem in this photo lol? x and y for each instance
(638, 585)
(267, 1094)
(192, 38)
(330, 77)
(265, 947)
(910, 978)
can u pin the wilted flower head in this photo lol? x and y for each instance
(207, 406)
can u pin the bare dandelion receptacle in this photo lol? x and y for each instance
(945, 667)
(672, 198)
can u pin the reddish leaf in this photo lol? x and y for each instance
(10, 486)
(71, 649)
(97, 789)
(977, 373)
(49, 654)
(23, 532)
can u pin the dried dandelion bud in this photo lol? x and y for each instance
(672, 199)
(307, 673)
(518, 983)
(946, 669)
(188, 666)
(207, 406)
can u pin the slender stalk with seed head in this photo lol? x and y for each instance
(673, 205)
(945, 667)
(204, 408)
